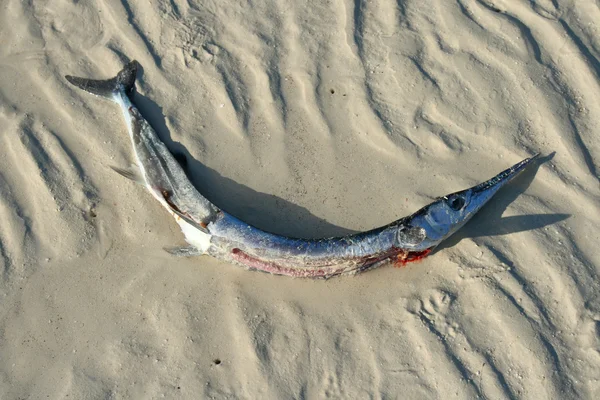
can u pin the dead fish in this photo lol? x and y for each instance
(210, 230)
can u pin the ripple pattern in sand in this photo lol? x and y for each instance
(355, 113)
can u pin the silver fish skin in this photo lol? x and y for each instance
(210, 230)
(407, 239)
(156, 167)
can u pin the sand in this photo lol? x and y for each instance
(306, 119)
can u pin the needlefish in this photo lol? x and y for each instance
(212, 231)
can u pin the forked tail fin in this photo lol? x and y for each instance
(125, 80)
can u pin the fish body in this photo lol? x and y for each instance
(155, 168)
(210, 230)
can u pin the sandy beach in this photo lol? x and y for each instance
(307, 119)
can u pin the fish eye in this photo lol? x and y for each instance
(456, 202)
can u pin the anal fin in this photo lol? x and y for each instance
(132, 173)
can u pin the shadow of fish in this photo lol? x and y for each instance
(210, 230)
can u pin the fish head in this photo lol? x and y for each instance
(437, 221)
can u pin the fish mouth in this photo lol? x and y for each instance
(483, 192)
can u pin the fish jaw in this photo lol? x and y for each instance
(439, 220)
(482, 193)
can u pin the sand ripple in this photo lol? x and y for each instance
(307, 119)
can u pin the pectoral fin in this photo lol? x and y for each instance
(184, 251)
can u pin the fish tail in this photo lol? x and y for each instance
(125, 81)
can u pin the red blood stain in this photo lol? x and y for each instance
(411, 256)
(399, 257)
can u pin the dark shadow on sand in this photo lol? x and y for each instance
(489, 222)
(274, 214)
(265, 211)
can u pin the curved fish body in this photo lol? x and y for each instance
(155, 168)
(210, 230)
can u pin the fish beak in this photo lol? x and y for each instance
(483, 192)
(440, 219)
